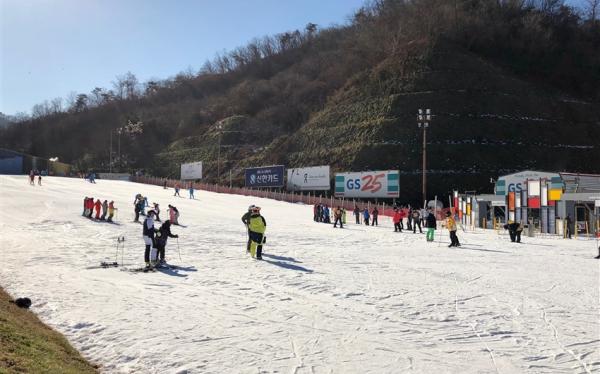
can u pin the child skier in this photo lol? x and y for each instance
(451, 225)
(366, 216)
(104, 210)
(98, 206)
(156, 209)
(85, 202)
(256, 229)
(161, 240)
(148, 235)
(111, 211)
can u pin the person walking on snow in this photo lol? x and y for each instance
(366, 216)
(451, 225)
(98, 206)
(375, 214)
(111, 211)
(176, 190)
(246, 221)
(161, 240)
(416, 217)
(148, 232)
(104, 210)
(256, 229)
(396, 219)
(192, 191)
(337, 215)
(431, 224)
(356, 213)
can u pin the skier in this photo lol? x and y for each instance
(148, 235)
(104, 210)
(316, 213)
(431, 224)
(337, 215)
(192, 191)
(451, 225)
(173, 215)
(111, 211)
(161, 240)
(40, 180)
(375, 214)
(357, 214)
(90, 207)
(246, 221)
(85, 203)
(137, 207)
(396, 220)
(98, 206)
(176, 190)
(156, 209)
(256, 229)
(416, 218)
(366, 216)
(31, 178)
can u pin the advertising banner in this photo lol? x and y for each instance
(308, 179)
(192, 170)
(265, 176)
(367, 184)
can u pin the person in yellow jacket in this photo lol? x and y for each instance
(111, 211)
(451, 225)
(256, 230)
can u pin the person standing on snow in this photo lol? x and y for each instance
(161, 240)
(337, 215)
(451, 225)
(326, 217)
(85, 203)
(256, 230)
(246, 221)
(366, 216)
(90, 206)
(173, 215)
(356, 213)
(416, 218)
(191, 191)
(375, 214)
(104, 210)
(316, 213)
(431, 224)
(111, 211)
(148, 236)
(409, 219)
(98, 206)
(40, 180)
(31, 178)
(396, 219)
(156, 209)
(176, 190)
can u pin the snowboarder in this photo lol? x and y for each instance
(357, 214)
(111, 211)
(246, 221)
(191, 190)
(366, 216)
(161, 240)
(256, 230)
(148, 235)
(98, 206)
(396, 219)
(173, 215)
(416, 218)
(176, 190)
(337, 215)
(104, 210)
(431, 224)
(451, 225)
(375, 214)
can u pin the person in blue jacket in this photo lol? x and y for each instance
(366, 216)
(326, 218)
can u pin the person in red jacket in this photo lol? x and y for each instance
(402, 216)
(98, 207)
(90, 207)
(396, 218)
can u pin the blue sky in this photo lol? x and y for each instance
(49, 48)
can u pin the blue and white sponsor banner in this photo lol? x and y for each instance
(308, 179)
(366, 184)
(266, 176)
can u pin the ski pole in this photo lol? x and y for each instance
(179, 250)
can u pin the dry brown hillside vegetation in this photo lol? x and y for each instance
(512, 84)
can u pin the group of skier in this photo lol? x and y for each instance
(32, 175)
(103, 207)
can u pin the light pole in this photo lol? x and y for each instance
(423, 119)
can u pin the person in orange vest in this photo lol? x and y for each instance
(451, 225)
(98, 207)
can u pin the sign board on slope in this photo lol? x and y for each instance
(266, 176)
(191, 171)
(308, 179)
(381, 183)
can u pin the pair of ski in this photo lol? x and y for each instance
(151, 269)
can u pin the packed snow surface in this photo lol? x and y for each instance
(323, 300)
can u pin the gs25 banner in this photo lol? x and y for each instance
(383, 183)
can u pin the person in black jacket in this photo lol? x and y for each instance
(514, 230)
(431, 223)
(161, 240)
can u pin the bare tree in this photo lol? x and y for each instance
(592, 9)
(56, 105)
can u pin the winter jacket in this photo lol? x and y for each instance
(431, 221)
(337, 213)
(246, 217)
(397, 217)
(164, 233)
(366, 214)
(257, 223)
(111, 208)
(416, 215)
(356, 212)
(148, 229)
(98, 205)
(105, 206)
(451, 224)
(375, 213)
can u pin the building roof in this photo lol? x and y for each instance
(576, 182)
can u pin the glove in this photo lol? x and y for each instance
(177, 236)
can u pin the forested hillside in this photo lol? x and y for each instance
(512, 85)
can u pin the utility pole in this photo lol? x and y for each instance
(423, 119)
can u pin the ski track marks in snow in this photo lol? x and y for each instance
(353, 300)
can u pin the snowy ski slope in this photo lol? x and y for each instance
(324, 300)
